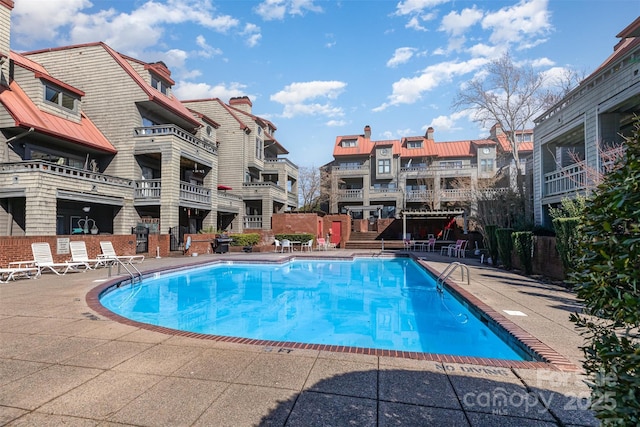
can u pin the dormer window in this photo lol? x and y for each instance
(349, 143)
(414, 144)
(59, 97)
(159, 85)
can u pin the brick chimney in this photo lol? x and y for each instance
(429, 134)
(241, 103)
(5, 39)
(367, 132)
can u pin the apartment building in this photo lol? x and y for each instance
(266, 181)
(575, 137)
(93, 141)
(381, 179)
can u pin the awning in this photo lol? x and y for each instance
(224, 187)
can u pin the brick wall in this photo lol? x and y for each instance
(546, 260)
(18, 248)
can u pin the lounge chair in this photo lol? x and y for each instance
(42, 259)
(29, 269)
(79, 254)
(109, 254)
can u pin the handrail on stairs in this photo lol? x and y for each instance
(448, 271)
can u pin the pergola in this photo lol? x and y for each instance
(427, 214)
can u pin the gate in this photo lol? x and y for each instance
(142, 238)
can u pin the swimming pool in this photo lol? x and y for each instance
(379, 303)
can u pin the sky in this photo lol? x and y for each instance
(319, 69)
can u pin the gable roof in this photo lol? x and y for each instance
(169, 102)
(27, 115)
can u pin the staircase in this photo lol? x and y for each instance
(370, 240)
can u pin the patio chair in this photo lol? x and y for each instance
(461, 251)
(431, 244)
(278, 246)
(79, 254)
(308, 246)
(109, 254)
(321, 244)
(42, 258)
(452, 248)
(286, 245)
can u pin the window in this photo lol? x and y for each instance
(159, 85)
(486, 165)
(59, 97)
(414, 144)
(258, 148)
(384, 166)
(346, 143)
(457, 164)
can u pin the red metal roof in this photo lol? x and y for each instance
(27, 115)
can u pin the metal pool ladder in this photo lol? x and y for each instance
(120, 263)
(448, 271)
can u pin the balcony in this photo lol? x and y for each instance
(54, 170)
(350, 194)
(566, 180)
(151, 132)
(252, 222)
(350, 170)
(148, 192)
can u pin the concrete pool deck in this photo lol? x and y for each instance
(63, 363)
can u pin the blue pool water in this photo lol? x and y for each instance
(366, 302)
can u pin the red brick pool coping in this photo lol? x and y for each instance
(509, 331)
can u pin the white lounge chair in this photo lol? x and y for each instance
(42, 258)
(109, 254)
(79, 254)
(11, 273)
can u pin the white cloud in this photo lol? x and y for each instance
(447, 123)
(270, 10)
(456, 24)
(400, 56)
(299, 98)
(206, 50)
(409, 90)
(252, 32)
(518, 23)
(189, 90)
(336, 123)
(409, 7)
(542, 62)
(130, 33)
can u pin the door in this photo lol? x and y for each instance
(336, 231)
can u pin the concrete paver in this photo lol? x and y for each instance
(63, 363)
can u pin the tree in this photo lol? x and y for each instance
(606, 275)
(310, 186)
(506, 94)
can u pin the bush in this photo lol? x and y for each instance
(505, 246)
(566, 239)
(247, 239)
(296, 237)
(523, 244)
(491, 243)
(606, 278)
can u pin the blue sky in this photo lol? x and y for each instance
(318, 69)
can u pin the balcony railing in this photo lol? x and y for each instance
(195, 193)
(151, 190)
(565, 180)
(252, 222)
(63, 171)
(174, 130)
(351, 194)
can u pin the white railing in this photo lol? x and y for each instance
(350, 194)
(62, 170)
(565, 180)
(148, 189)
(252, 222)
(175, 131)
(194, 193)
